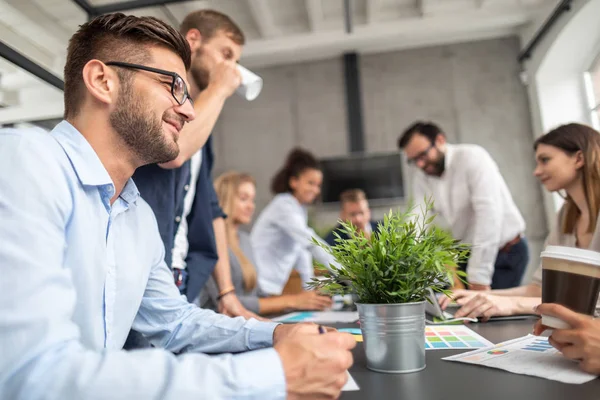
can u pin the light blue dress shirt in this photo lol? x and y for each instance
(77, 273)
(282, 241)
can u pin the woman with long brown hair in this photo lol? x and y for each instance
(567, 162)
(236, 192)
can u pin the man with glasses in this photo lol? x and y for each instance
(471, 196)
(181, 191)
(82, 261)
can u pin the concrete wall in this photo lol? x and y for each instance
(472, 90)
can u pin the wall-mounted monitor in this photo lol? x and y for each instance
(380, 175)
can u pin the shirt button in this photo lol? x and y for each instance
(177, 218)
(186, 187)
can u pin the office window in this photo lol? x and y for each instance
(592, 83)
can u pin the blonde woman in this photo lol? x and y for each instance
(236, 192)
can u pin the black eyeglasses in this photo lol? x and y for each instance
(179, 89)
(421, 155)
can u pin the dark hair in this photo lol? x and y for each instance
(209, 22)
(427, 129)
(572, 138)
(116, 37)
(297, 161)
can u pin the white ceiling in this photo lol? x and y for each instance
(277, 31)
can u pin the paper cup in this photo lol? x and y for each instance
(251, 84)
(571, 277)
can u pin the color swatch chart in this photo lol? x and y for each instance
(444, 337)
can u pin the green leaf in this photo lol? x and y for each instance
(405, 256)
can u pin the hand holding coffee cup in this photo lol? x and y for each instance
(570, 277)
(226, 77)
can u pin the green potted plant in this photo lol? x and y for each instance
(391, 274)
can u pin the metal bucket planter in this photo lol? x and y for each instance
(394, 336)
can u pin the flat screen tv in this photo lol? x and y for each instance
(379, 175)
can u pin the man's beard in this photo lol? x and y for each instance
(200, 74)
(439, 166)
(140, 131)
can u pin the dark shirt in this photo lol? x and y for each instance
(164, 190)
(330, 238)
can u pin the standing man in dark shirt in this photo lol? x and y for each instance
(216, 44)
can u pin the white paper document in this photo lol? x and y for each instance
(528, 355)
(319, 317)
(351, 385)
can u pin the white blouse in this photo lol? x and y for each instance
(281, 239)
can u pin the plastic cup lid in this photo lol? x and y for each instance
(572, 254)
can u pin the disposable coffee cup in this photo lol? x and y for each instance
(570, 277)
(251, 84)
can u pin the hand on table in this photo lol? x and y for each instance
(479, 304)
(311, 300)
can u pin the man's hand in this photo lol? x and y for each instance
(230, 305)
(225, 77)
(303, 328)
(314, 364)
(580, 343)
(477, 286)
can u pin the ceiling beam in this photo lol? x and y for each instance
(314, 9)
(85, 6)
(24, 46)
(18, 80)
(373, 7)
(421, 6)
(261, 12)
(34, 13)
(436, 29)
(30, 66)
(172, 19)
(9, 98)
(121, 6)
(26, 113)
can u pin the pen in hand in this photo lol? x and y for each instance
(321, 329)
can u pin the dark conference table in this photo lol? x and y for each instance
(446, 380)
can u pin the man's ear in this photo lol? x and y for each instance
(440, 140)
(101, 82)
(194, 39)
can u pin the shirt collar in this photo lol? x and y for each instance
(86, 163)
(448, 156)
(130, 192)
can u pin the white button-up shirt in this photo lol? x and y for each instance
(77, 273)
(473, 199)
